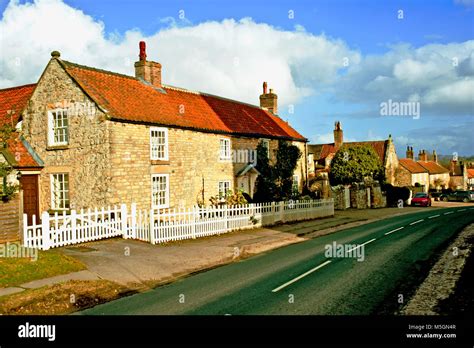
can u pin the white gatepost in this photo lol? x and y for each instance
(124, 220)
(273, 212)
(45, 238)
(152, 227)
(281, 207)
(73, 227)
(133, 214)
(25, 231)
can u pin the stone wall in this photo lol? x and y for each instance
(86, 157)
(193, 166)
(10, 214)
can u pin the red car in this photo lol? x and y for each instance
(421, 199)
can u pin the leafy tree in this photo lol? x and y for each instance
(354, 164)
(275, 181)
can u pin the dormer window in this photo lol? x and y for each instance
(58, 127)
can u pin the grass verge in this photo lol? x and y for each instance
(62, 298)
(18, 270)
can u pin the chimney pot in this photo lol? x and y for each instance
(264, 88)
(55, 54)
(142, 46)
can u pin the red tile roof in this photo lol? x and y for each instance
(412, 166)
(129, 99)
(12, 102)
(433, 167)
(321, 151)
(470, 173)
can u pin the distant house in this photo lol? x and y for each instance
(411, 173)
(102, 138)
(458, 175)
(470, 178)
(322, 154)
(438, 175)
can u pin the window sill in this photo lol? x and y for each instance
(59, 211)
(56, 147)
(160, 162)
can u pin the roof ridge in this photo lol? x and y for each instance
(15, 87)
(97, 69)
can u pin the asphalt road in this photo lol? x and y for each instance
(300, 279)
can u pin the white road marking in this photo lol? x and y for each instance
(357, 247)
(433, 216)
(414, 223)
(471, 208)
(449, 212)
(302, 276)
(395, 230)
(462, 210)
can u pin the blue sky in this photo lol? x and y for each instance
(297, 46)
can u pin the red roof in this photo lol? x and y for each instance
(12, 102)
(470, 173)
(433, 167)
(129, 99)
(322, 151)
(412, 166)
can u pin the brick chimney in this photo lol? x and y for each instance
(422, 156)
(452, 166)
(147, 70)
(435, 156)
(409, 152)
(269, 101)
(338, 135)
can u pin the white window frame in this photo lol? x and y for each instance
(167, 191)
(223, 182)
(154, 154)
(52, 130)
(266, 141)
(297, 183)
(57, 205)
(222, 150)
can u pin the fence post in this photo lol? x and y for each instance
(225, 219)
(133, 214)
(124, 220)
(25, 231)
(73, 227)
(281, 207)
(193, 222)
(45, 238)
(152, 227)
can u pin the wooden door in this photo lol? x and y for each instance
(29, 185)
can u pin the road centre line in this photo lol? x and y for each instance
(395, 230)
(449, 212)
(414, 223)
(433, 216)
(357, 247)
(462, 209)
(302, 276)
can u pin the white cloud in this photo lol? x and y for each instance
(439, 76)
(230, 58)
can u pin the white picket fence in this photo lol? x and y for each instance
(159, 226)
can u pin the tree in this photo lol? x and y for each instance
(275, 181)
(355, 164)
(7, 190)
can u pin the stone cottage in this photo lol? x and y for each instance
(438, 175)
(105, 138)
(322, 154)
(458, 175)
(411, 173)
